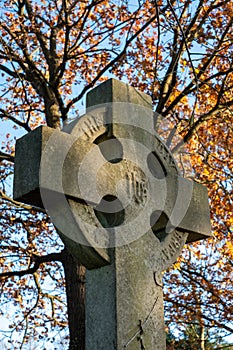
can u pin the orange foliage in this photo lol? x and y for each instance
(181, 53)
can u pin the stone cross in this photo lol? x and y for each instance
(115, 195)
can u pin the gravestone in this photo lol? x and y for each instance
(115, 195)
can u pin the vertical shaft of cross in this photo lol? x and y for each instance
(124, 300)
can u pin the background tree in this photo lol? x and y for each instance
(51, 54)
(190, 339)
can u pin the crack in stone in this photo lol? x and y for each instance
(140, 331)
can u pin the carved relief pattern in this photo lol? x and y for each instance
(91, 126)
(137, 186)
(165, 154)
(173, 247)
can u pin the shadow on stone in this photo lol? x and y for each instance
(158, 222)
(110, 147)
(110, 212)
(156, 166)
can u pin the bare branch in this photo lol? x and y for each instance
(158, 40)
(4, 114)
(11, 73)
(191, 86)
(111, 63)
(37, 260)
(19, 204)
(169, 80)
(5, 156)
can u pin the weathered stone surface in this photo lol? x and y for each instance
(115, 195)
(67, 152)
(114, 90)
(28, 154)
(124, 302)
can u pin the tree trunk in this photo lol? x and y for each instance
(75, 292)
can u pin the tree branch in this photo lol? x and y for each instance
(37, 260)
(214, 292)
(19, 204)
(169, 80)
(196, 125)
(4, 114)
(11, 73)
(110, 64)
(5, 156)
(204, 316)
(191, 86)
